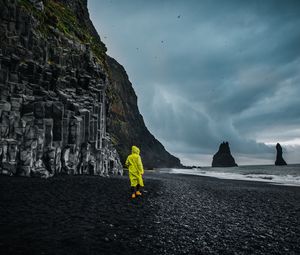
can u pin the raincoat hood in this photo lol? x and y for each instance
(135, 150)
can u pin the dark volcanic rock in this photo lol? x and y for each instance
(56, 87)
(279, 159)
(126, 124)
(180, 214)
(223, 157)
(53, 81)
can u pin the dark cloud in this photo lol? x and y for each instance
(225, 71)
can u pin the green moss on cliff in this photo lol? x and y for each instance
(57, 15)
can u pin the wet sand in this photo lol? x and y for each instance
(178, 214)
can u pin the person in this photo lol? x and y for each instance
(136, 171)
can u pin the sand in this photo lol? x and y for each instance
(177, 214)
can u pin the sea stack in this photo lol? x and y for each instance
(279, 159)
(223, 157)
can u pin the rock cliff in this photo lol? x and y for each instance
(53, 82)
(223, 157)
(126, 124)
(56, 87)
(279, 159)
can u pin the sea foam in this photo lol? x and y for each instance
(245, 174)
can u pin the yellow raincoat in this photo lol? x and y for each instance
(135, 167)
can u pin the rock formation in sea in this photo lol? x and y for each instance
(279, 159)
(223, 157)
(56, 91)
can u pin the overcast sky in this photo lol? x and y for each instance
(209, 71)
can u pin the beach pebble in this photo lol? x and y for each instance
(167, 225)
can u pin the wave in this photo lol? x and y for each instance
(288, 180)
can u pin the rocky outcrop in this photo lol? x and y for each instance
(223, 157)
(53, 82)
(279, 159)
(126, 124)
(57, 85)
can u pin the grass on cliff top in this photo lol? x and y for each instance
(59, 16)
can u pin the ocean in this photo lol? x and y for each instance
(280, 175)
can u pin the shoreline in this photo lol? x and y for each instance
(178, 214)
(289, 176)
(264, 181)
(238, 180)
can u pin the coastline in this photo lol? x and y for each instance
(276, 175)
(177, 214)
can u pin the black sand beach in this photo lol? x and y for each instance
(177, 214)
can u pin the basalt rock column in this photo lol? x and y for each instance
(52, 93)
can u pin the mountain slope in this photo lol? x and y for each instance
(52, 47)
(126, 124)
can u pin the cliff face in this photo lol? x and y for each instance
(54, 77)
(126, 124)
(223, 157)
(53, 81)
